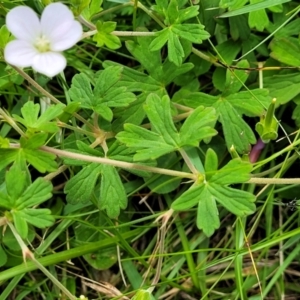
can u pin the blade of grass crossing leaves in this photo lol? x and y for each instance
(253, 7)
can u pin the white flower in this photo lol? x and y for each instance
(39, 43)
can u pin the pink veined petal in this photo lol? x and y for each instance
(20, 53)
(59, 26)
(62, 40)
(49, 63)
(23, 23)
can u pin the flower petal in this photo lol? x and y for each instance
(19, 53)
(59, 26)
(23, 23)
(49, 63)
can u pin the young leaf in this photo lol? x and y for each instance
(112, 193)
(30, 112)
(104, 36)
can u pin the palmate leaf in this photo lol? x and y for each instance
(104, 36)
(164, 137)
(229, 109)
(39, 159)
(151, 61)
(32, 121)
(81, 188)
(215, 189)
(40, 218)
(106, 93)
(172, 35)
(20, 198)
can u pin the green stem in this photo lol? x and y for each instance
(65, 255)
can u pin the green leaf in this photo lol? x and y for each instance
(112, 193)
(236, 201)
(104, 36)
(172, 14)
(159, 113)
(236, 171)
(253, 103)
(283, 87)
(4, 36)
(207, 214)
(198, 126)
(237, 132)
(235, 79)
(214, 187)
(189, 198)
(137, 81)
(7, 156)
(30, 112)
(142, 295)
(40, 218)
(3, 256)
(151, 61)
(188, 13)
(153, 145)
(106, 94)
(38, 192)
(133, 114)
(42, 161)
(20, 224)
(160, 40)
(258, 19)
(81, 90)
(286, 50)
(253, 7)
(81, 187)
(194, 33)
(6, 201)
(17, 173)
(35, 141)
(211, 163)
(175, 49)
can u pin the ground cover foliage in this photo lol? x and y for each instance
(162, 163)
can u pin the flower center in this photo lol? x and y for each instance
(42, 44)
